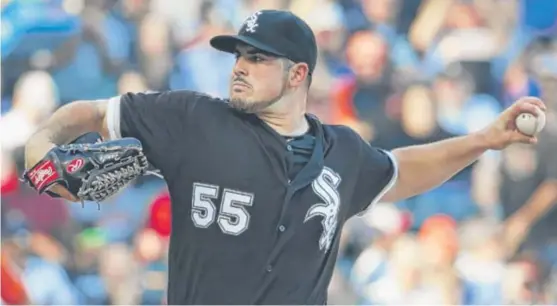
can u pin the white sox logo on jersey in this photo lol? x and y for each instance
(325, 186)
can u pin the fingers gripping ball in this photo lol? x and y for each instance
(530, 124)
(90, 171)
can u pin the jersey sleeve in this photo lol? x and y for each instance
(156, 119)
(378, 173)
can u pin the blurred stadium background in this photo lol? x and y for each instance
(399, 72)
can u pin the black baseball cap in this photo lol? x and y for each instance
(280, 33)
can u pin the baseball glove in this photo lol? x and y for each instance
(91, 171)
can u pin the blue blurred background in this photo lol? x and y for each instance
(399, 72)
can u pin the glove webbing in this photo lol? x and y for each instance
(106, 184)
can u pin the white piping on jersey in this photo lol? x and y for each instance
(113, 124)
(387, 187)
(113, 118)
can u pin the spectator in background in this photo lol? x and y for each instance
(439, 245)
(181, 16)
(521, 284)
(460, 110)
(481, 263)
(91, 69)
(359, 101)
(382, 14)
(121, 273)
(22, 119)
(155, 58)
(378, 232)
(197, 61)
(35, 98)
(151, 251)
(326, 20)
(528, 190)
(421, 113)
(89, 244)
(400, 282)
(418, 117)
(517, 82)
(44, 276)
(13, 292)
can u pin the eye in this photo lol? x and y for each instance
(256, 58)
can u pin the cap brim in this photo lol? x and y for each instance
(228, 43)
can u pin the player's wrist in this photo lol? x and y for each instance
(481, 140)
(35, 152)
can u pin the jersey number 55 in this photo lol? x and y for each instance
(233, 218)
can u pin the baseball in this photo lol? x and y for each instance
(530, 124)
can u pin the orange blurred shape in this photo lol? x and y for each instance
(160, 215)
(342, 101)
(441, 228)
(12, 290)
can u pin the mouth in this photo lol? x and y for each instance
(240, 84)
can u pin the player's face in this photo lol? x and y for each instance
(258, 80)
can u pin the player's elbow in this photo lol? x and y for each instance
(73, 120)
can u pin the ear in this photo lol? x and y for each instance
(298, 74)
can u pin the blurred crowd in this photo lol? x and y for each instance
(399, 72)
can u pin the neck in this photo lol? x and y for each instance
(286, 117)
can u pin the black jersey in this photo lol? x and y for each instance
(244, 230)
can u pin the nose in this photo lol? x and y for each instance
(240, 68)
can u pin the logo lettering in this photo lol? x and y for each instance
(75, 165)
(325, 186)
(43, 174)
(109, 156)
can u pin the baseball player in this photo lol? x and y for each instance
(260, 189)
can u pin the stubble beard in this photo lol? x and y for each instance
(254, 107)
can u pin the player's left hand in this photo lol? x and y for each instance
(503, 132)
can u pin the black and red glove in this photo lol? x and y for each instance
(90, 169)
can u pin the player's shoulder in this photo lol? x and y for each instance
(342, 134)
(340, 129)
(346, 139)
(180, 96)
(175, 100)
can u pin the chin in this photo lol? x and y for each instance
(238, 96)
(241, 104)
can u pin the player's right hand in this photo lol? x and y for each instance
(32, 156)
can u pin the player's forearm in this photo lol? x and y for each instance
(424, 167)
(65, 125)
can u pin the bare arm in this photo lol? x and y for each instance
(66, 124)
(421, 168)
(425, 167)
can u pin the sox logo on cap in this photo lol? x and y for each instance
(251, 22)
